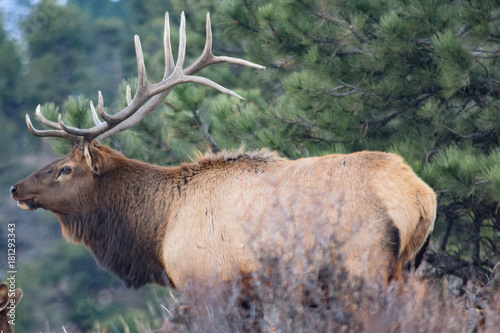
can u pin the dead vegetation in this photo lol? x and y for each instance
(276, 300)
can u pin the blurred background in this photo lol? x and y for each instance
(418, 78)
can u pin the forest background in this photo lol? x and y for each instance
(420, 78)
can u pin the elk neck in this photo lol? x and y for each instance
(124, 223)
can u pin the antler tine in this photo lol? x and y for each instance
(142, 80)
(49, 133)
(44, 120)
(182, 46)
(207, 58)
(208, 33)
(212, 84)
(72, 130)
(207, 55)
(100, 108)
(83, 136)
(96, 119)
(167, 47)
(128, 94)
(178, 75)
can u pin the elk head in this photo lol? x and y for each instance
(68, 178)
(54, 186)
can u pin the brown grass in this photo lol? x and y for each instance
(276, 301)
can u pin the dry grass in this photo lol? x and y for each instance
(275, 301)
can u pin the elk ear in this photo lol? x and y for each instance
(4, 295)
(94, 158)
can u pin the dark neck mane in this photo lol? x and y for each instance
(125, 230)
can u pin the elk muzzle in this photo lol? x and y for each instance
(24, 203)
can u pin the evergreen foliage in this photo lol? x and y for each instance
(57, 52)
(11, 75)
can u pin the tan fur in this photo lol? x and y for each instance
(372, 187)
(215, 217)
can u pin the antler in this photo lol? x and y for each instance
(148, 96)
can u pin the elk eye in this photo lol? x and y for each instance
(66, 170)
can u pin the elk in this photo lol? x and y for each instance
(151, 224)
(9, 299)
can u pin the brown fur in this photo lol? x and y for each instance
(213, 217)
(8, 301)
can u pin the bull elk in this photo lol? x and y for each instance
(146, 223)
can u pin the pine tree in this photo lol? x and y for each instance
(10, 79)
(58, 48)
(10, 99)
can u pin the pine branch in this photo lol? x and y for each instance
(284, 63)
(461, 31)
(424, 8)
(322, 15)
(312, 37)
(341, 94)
(381, 122)
(162, 143)
(375, 124)
(360, 38)
(275, 33)
(493, 80)
(449, 226)
(354, 90)
(349, 53)
(353, 87)
(449, 264)
(213, 145)
(491, 243)
(308, 123)
(476, 238)
(487, 57)
(468, 136)
(318, 139)
(486, 51)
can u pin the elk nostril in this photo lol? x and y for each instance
(13, 190)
